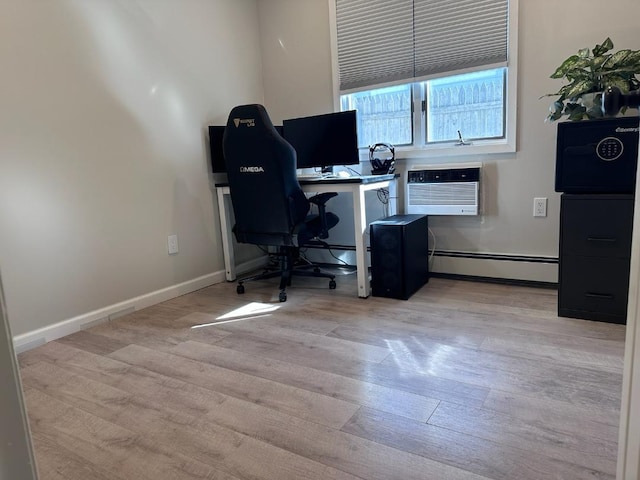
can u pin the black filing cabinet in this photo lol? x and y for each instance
(595, 251)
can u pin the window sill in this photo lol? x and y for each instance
(477, 151)
(451, 150)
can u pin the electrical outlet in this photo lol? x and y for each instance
(539, 207)
(172, 244)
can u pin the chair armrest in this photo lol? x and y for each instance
(322, 198)
(320, 201)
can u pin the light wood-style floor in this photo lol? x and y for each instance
(463, 381)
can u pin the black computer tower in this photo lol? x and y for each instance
(399, 255)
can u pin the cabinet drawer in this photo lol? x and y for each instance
(596, 225)
(594, 285)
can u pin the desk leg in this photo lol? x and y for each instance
(393, 198)
(225, 210)
(360, 224)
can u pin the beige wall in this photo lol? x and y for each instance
(549, 31)
(102, 145)
(296, 56)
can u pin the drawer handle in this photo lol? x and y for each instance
(604, 296)
(602, 239)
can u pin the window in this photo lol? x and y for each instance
(383, 113)
(469, 106)
(441, 77)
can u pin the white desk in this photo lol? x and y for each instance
(357, 186)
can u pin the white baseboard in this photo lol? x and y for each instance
(491, 268)
(29, 340)
(480, 267)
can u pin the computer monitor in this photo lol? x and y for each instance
(216, 132)
(218, 164)
(324, 140)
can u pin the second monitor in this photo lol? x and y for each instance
(324, 141)
(320, 141)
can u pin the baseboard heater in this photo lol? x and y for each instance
(443, 189)
(496, 256)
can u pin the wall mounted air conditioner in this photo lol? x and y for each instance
(443, 189)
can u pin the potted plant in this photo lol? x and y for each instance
(588, 73)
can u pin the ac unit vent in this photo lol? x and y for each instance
(443, 190)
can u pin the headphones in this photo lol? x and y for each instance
(379, 166)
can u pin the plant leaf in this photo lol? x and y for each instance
(600, 62)
(603, 48)
(582, 63)
(568, 64)
(595, 111)
(583, 53)
(633, 59)
(625, 59)
(578, 75)
(555, 111)
(578, 88)
(575, 111)
(563, 91)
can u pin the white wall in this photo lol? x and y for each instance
(104, 106)
(549, 31)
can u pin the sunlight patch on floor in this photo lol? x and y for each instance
(435, 362)
(249, 311)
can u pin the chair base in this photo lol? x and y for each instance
(287, 271)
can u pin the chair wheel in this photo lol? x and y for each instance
(240, 289)
(282, 297)
(332, 284)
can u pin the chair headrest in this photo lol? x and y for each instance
(253, 116)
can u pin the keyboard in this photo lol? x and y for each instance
(310, 176)
(317, 176)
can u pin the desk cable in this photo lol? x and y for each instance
(433, 249)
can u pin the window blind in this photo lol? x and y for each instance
(375, 41)
(386, 41)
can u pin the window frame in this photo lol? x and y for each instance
(420, 148)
